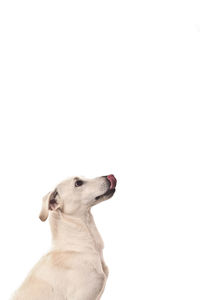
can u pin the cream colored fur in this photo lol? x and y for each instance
(74, 268)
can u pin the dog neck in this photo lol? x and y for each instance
(71, 233)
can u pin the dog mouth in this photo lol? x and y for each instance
(108, 194)
(112, 181)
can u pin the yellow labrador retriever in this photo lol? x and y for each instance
(74, 269)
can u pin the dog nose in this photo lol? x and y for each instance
(112, 180)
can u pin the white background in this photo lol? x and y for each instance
(98, 87)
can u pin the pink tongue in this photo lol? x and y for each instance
(112, 180)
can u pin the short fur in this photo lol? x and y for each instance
(74, 269)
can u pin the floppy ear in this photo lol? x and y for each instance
(49, 202)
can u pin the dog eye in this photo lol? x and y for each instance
(78, 183)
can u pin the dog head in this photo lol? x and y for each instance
(75, 195)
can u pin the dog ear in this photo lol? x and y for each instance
(49, 202)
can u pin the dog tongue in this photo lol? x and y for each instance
(113, 181)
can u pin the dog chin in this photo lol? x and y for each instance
(105, 196)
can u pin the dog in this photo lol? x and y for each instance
(74, 269)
